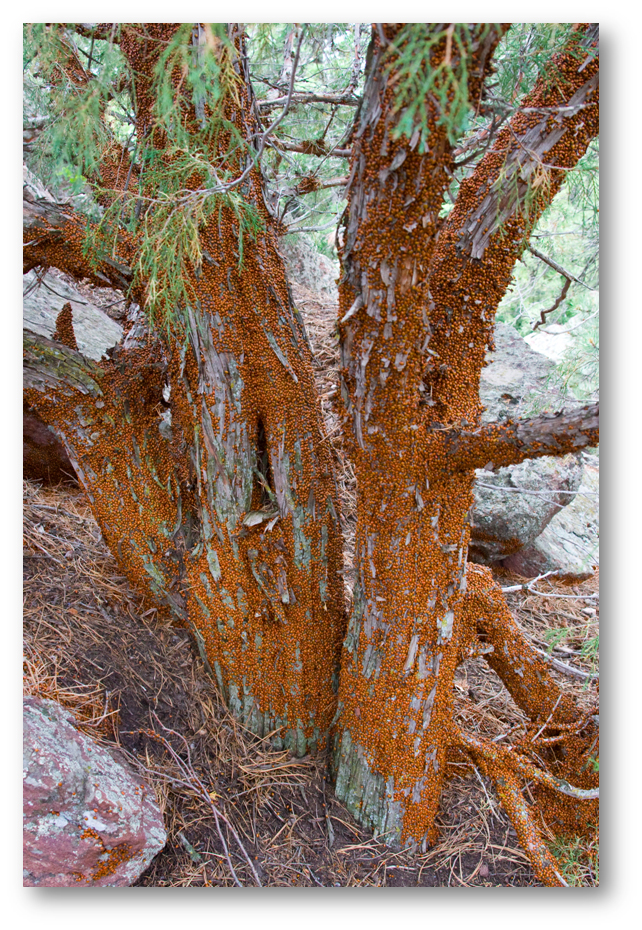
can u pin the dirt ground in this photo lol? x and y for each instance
(236, 811)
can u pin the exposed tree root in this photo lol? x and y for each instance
(528, 832)
(501, 757)
(561, 737)
(524, 672)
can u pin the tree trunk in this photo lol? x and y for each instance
(205, 464)
(417, 300)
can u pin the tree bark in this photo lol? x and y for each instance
(202, 453)
(512, 442)
(417, 302)
(205, 463)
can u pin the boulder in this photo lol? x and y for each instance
(89, 819)
(516, 381)
(309, 268)
(570, 543)
(44, 297)
(514, 505)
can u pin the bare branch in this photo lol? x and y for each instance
(560, 300)
(311, 147)
(348, 100)
(558, 268)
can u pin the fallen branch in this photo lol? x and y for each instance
(527, 585)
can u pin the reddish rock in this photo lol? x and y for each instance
(89, 819)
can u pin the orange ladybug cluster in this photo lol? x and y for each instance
(417, 318)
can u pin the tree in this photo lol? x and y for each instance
(200, 441)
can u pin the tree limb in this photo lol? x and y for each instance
(310, 147)
(298, 98)
(53, 236)
(51, 366)
(502, 444)
(495, 211)
(558, 268)
(560, 299)
(513, 657)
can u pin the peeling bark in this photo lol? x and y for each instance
(418, 298)
(164, 439)
(205, 464)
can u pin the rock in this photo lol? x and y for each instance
(570, 542)
(308, 267)
(516, 380)
(89, 820)
(516, 383)
(43, 300)
(552, 341)
(44, 457)
(514, 505)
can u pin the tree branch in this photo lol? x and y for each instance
(348, 100)
(502, 444)
(53, 236)
(311, 147)
(558, 268)
(559, 300)
(495, 211)
(51, 366)
(108, 32)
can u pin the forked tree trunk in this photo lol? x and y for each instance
(417, 302)
(204, 460)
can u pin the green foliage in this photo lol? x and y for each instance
(524, 53)
(194, 149)
(431, 64)
(204, 62)
(578, 860)
(182, 164)
(590, 649)
(75, 135)
(170, 252)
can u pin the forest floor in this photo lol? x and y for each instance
(137, 684)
